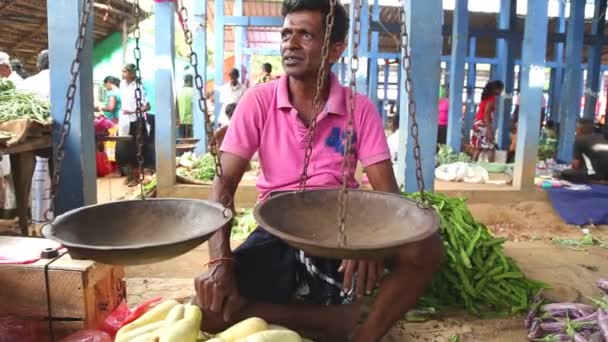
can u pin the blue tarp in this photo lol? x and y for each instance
(581, 207)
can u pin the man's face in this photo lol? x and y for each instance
(128, 75)
(5, 70)
(108, 85)
(302, 39)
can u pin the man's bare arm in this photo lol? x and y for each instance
(222, 191)
(382, 177)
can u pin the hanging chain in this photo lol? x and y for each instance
(350, 129)
(321, 84)
(406, 64)
(200, 87)
(139, 139)
(69, 106)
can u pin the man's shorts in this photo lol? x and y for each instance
(270, 271)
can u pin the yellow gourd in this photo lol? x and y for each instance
(243, 329)
(186, 329)
(146, 329)
(273, 336)
(276, 327)
(156, 314)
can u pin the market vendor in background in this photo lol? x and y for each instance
(230, 92)
(39, 84)
(483, 138)
(126, 151)
(264, 277)
(111, 106)
(590, 162)
(184, 107)
(6, 70)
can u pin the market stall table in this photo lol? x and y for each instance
(22, 169)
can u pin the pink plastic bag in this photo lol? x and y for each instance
(122, 315)
(88, 336)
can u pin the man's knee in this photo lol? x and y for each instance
(427, 253)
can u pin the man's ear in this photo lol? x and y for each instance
(335, 51)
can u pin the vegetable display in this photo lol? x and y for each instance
(476, 274)
(569, 321)
(243, 224)
(200, 168)
(19, 105)
(446, 155)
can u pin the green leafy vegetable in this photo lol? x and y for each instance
(243, 224)
(19, 105)
(446, 155)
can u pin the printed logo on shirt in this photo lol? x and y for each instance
(337, 140)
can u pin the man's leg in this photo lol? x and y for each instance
(413, 269)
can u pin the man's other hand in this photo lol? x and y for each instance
(368, 274)
(217, 290)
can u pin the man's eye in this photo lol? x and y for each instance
(307, 36)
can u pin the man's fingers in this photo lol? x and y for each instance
(349, 272)
(379, 271)
(207, 294)
(229, 308)
(372, 277)
(342, 266)
(361, 278)
(218, 298)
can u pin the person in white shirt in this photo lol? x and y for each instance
(230, 93)
(39, 84)
(126, 151)
(6, 71)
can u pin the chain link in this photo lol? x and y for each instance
(69, 106)
(321, 83)
(350, 129)
(406, 64)
(139, 139)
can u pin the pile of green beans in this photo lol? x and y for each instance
(476, 274)
(19, 105)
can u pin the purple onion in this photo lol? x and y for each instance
(559, 307)
(603, 285)
(596, 337)
(533, 312)
(590, 318)
(579, 338)
(602, 320)
(559, 337)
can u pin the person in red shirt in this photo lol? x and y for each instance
(483, 134)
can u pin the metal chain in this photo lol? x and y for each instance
(321, 83)
(139, 139)
(350, 129)
(406, 64)
(69, 106)
(202, 101)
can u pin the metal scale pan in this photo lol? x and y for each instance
(137, 232)
(377, 223)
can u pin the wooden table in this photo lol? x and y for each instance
(22, 169)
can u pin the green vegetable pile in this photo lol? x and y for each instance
(202, 169)
(18, 105)
(579, 245)
(243, 224)
(476, 274)
(446, 155)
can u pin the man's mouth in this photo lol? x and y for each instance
(291, 60)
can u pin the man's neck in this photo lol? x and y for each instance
(302, 95)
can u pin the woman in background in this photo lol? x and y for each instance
(443, 108)
(483, 134)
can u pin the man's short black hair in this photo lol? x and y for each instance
(130, 67)
(42, 61)
(114, 80)
(267, 68)
(234, 73)
(230, 110)
(340, 29)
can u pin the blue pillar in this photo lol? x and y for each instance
(595, 60)
(342, 71)
(532, 84)
(218, 58)
(373, 60)
(571, 90)
(505, 51)
(240, 38)
(77, 186)
(425, 48)
(362, 75)
(164, 57)
(471, 78)
(558, 79)
(460, 37)
(200, 47)
(385, 87)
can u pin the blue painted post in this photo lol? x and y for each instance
(218, 58)
(595, 60)
(362, 74)
(558, 79)
(471, 78)
(533, 81)
(164, 83)
(460, 37)
(200, 47)
(385, 87)
(373, 60)
(505, 51)
(78, 185)
(571, 90)
(425, 49)
(239, 40)
(342, 71)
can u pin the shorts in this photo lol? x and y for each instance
(269, 270)
(479, 137)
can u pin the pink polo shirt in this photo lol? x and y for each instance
(265, 121)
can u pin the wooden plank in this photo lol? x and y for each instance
(32, 144)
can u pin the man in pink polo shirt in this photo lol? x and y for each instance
(265, 277)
